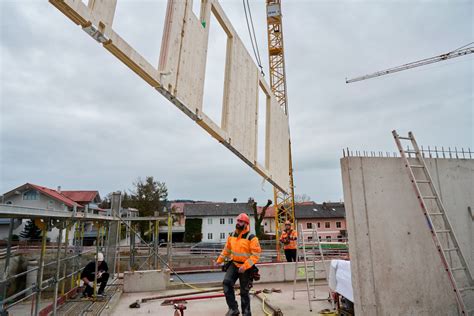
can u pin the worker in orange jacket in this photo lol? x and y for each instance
(243, 250)
(288, 238)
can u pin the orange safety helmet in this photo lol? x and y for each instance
(244, 218)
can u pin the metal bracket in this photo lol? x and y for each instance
(95, 33)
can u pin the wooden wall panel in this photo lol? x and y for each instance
(277, 144)
(241, 100)
(180, 77)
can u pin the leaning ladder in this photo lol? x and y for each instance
(312, 253)
(441, 229)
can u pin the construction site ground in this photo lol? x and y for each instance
(218, 307)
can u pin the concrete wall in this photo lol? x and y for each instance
(396, 269)
(285, 272)
(145, 281)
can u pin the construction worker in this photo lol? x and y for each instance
(88, 276)
(243, 250)
(288, 238)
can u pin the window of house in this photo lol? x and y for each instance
(339, 238)
(327, 224)
(209, 236)
(319, 237)
(319, 225)
(9, 202)
(209, 221)
(222, 221)
(338, 224)
(231, 221)
(310, 238)
(328, 238)
(30, 195)
(309, 225)
(222, 235)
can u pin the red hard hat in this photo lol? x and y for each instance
(244, 218)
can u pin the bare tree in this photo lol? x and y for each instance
(258, 217)
(300, 198)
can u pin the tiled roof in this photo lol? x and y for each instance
(216, 209)
(81, 196)
(324, 210)
(55, 195)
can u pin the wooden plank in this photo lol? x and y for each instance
(75, 10)
(130, 57)
(102, 13)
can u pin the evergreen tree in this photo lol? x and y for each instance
(31, 231)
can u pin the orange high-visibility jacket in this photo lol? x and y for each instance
(291, 236)
(243, 249)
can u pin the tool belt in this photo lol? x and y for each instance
(226, 266)
(254, 275)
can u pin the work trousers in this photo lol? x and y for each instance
(231, 276)
(89, 289)
(290, 255)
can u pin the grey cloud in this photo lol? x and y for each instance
(73, 115)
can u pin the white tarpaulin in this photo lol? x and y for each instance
(340, 278)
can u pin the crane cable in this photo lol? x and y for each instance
(461, 47)
(253, 39)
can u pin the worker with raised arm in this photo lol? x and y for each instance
(288, 238)
(243, 250)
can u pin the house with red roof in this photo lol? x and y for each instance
(40, 197)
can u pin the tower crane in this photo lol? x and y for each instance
(453, 54)
(284, 203)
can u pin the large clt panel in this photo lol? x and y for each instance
(396, 268)
(180, 75)
(240, 100)
(277, 141)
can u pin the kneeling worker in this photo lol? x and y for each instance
(88, 276)
(244, 250)
(288, 238)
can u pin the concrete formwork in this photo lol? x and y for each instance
(396, 269)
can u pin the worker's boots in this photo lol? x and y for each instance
(232, 312)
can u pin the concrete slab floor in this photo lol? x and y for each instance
(218, 306)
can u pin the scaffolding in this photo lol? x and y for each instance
(70, 250)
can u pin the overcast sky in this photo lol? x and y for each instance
(73, 115)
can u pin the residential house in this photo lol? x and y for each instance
(35, 196)
(218, 219)
(328, 218)
(90, 201)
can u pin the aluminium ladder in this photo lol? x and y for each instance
(310, 243)
(441, 229)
